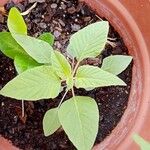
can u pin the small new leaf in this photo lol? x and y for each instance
(39, 50)
(22, 63)
(34, 84)
(9, 46)
(61, 65)
(89, 41)
(116, 64)
(144, 145)
(79, 117)
(90, 76)
(51, 122)
(47, 37)
(16, 22)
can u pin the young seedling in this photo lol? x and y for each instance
(42, 70)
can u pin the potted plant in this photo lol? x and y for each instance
(123, 34)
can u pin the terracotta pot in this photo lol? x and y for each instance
(131, 20)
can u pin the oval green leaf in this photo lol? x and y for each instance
(76, 118)
(16, 22)
(34, 84)
(9, 46)
(22, 63)
(47, 37)
(90, 77)
(39, 50)
(116, 64)
(51, 122)
(89, 41)
(61, 65)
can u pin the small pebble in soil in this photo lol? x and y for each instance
(71, 10)
(42, 25)
(54, 5)
(75, 27)
(57, 33)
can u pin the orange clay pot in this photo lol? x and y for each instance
(131, 19)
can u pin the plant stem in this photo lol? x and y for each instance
(75, 69)
(22, 105)
(62, 99)
(72, 65)
(73, 92)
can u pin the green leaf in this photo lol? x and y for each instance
(9, 46)
(51, 122)
(70, 83)
(16, 22)
(22, 63)
(76, 118)
(34, 84)
(61, 65)
(37, 49)
(144, 145)
(89, 41)
(90, 76)
(47, 37)
(116, 64)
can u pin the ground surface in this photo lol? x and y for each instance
(62, 18)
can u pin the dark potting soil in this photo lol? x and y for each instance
(62, 18)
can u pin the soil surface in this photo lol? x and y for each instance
(62, 18)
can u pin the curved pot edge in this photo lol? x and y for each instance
(6, 145)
